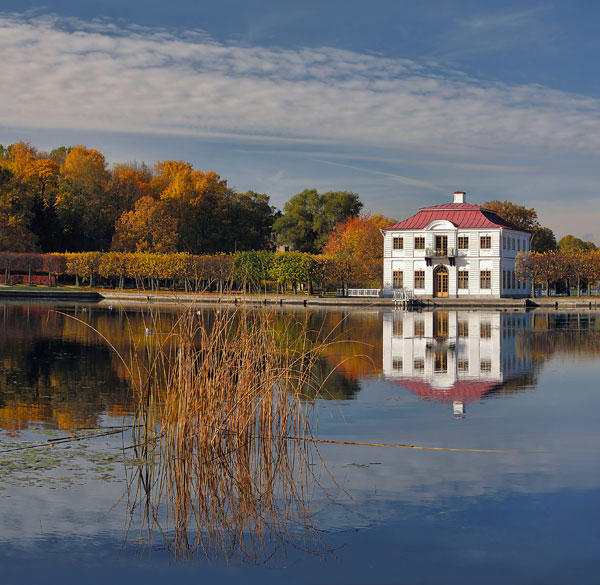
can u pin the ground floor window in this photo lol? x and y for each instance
(419, 279)
(463, 279)
(397, 279)
(463, 329)
(486, 279)
(485, 330)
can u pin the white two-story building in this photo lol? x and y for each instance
(456, 249)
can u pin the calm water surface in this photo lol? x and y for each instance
(524, 384)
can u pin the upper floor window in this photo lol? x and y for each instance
(463, 242)
(419, 242)
(398, 243)
(485, 242)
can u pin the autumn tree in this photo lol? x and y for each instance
(129, 183)
(358, 243)
(526, 219)
(309, 217)
(85, 208)
(150, 227)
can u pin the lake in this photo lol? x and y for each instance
(463, 448)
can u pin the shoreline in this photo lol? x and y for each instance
(104, 297)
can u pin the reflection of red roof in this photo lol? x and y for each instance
(464, 391)
(462, 215)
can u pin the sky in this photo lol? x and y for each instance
(402, 102)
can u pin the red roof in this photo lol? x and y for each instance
(461, 215)
(463, 391)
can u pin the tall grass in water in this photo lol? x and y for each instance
(220, 395)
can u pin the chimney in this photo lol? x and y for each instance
(459, 197)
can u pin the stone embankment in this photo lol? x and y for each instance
(167, 298)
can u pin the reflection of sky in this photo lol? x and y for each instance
(422, 516)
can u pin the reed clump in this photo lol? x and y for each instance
(222, 419)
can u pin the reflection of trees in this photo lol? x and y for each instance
(356, 348)
(50, 378)
(560, 333)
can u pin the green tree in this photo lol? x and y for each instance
(251, 269)
(572, 244)
(309, 217)
(543, 240)
(251, 219)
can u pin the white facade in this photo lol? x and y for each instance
(432, 257)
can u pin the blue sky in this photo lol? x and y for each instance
(403, 102)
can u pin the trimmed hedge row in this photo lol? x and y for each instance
(250, 271)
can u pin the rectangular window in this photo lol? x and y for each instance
(419, 364)
(419, 242)
(463, 365)
(463, 279)
(398, 243)
(420, 328)
(463, 242)
(463, 329)
(440, 362)
(398, 328)
(398, 279)
(485, 242)
(397, 364)
(486, 366)
(485, 330)
(419, 279)
(514, 283)
(504, 279)
(485, 279)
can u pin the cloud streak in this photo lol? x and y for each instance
(95, 76)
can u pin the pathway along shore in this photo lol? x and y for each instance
(168, 298)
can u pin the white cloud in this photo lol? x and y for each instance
(95, 76)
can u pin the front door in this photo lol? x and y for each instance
(440, 282)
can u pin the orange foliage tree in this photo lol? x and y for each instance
(150, 227)
(357, 244)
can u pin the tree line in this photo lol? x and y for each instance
(579, 268)
(68, 199)
(248, 271)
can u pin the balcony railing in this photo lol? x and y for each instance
(440, 252)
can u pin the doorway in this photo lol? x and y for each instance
(441, 245)
(440, 282)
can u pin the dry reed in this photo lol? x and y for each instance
(219, 394)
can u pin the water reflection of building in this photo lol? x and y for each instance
(454, 356)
